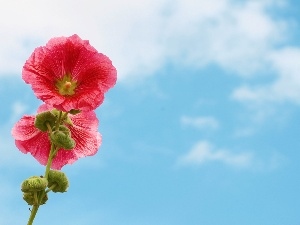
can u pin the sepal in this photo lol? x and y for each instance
(66, 119)
(74, 111)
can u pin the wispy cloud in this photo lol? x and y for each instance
(203, 152)
(286, 87)
(204, 122)
(141, 37)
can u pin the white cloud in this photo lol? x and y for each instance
(204, 152)
(140, 37)
(286, 87)
(126, 32)
(200, 122)
(234, 35)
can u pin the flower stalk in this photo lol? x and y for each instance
(34, 210)
(39, 196)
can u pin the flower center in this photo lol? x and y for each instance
(66, 86)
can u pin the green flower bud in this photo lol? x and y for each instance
(29, 198)
(57, 181)
(43, 118)
(34, 183)
(62, 138)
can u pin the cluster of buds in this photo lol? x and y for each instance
(35, 188)
(60, 134)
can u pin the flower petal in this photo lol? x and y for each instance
(24, 129)
(38, 146)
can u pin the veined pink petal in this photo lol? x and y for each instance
(86, 120)
(24, 129)
(38, 146)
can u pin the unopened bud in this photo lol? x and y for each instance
(57, 181)
(62, 138)
(43, 118)
(34, 183)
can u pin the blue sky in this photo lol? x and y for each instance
(201, 128)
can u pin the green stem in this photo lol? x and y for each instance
(49, 128)
(36, 206)
(52, 154)
(33, 213)
(51, 188)
(58, 120)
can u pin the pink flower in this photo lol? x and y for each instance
(31, 140)
(68, 73)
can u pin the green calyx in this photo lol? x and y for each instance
(34, 184)
(44, 118)
(66, 119)
(57, 181)
(62, 138)
(66, 86)
(31, 200)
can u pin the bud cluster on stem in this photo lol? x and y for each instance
(35, 188)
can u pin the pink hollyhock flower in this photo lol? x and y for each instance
(31, 140)
(68, 73)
